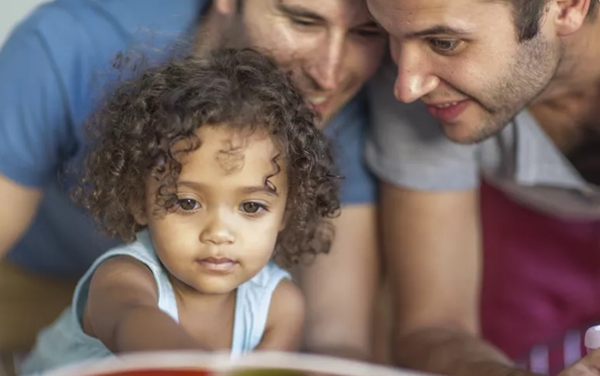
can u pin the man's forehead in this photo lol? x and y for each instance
(434, 6)
(343, 12)
(424, 17)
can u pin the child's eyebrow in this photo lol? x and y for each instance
(244, 190)
(190, 184)
(259, 189)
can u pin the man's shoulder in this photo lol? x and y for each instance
(100, 23)
(347, 132)
(126, 15)
(165, 19)
(81, 40)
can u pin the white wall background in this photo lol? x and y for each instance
(13, 11)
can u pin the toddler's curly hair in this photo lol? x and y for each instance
(135, 131)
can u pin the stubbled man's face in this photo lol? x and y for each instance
(331, 47)
(463, 59)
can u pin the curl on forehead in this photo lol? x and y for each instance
(231, 155)
(229, 150)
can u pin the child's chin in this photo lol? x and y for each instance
(215, 286)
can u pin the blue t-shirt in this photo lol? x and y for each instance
(55, 67)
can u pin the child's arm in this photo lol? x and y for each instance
(283, 331)
(122, 310)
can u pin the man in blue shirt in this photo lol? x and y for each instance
(55, 67)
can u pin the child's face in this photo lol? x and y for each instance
(226, 223)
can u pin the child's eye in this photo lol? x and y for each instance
(187, 204)
(252, 207)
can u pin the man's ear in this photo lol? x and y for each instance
(570, 15)
(225, 7)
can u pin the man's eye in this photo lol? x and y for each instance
(187, 204)
(252, 207)
(444, 45)
(302, 22)
(370, 33)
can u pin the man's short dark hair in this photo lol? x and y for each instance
(528, 15)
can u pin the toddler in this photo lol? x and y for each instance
(213, 173)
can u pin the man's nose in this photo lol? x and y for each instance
(217, 229)
(327, 63)
(415, 78)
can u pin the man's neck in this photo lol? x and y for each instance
(579, 70)
(216, 30)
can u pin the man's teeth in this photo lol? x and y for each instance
(317, 100)
(446, 105)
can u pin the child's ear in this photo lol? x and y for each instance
(138, 211)
(284, 221)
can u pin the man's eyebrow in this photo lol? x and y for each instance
(298, 11)
(437, 30)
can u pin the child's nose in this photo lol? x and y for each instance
(217, 231)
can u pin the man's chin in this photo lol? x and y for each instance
(327, 116)
(323, 119)
(462, 140)
(469, 136)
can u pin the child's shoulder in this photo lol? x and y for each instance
(287, 300)
(141, 250)
(285, 319)
(269, 276)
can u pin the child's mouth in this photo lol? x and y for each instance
(218, 264)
